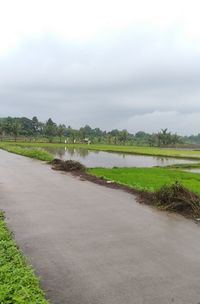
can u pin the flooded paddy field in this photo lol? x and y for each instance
(92, 158)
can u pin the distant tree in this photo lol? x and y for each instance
(140, 134)
(26, 124)
(8, 125)
(167, 138)
(143, 138)
(60, 131)
(23, 126)
(115, 132)
(115, 140)
(88, 130)
(16, 127)
(1, 130)
(123, 136)
(36, 125)
(74, 134)
(109, 138)
(97, 132)
(152, 140)
(50, 129)
(41, 128)
(175, 139)
(163, 137)
(82, 133)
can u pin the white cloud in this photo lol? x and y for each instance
(81, 20)
(181, 123)
(108, 63)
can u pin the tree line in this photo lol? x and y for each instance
(33, 129)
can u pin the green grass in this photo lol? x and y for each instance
(18, 283)
(32, 152)
(184, 166)
(149, 179)
(154, 151)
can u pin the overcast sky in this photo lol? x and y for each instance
(107, 63)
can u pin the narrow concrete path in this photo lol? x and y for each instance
(94, 245)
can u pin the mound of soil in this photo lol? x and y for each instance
(179, 199)
(67, 165)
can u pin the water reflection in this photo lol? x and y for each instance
(69, 153)
(193, 170)
(92, 158)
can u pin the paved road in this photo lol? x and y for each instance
(94, 245)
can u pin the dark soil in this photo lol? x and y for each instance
(67, 165)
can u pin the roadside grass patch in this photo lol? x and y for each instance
(37, 153)
(18, 283)
(149, 179)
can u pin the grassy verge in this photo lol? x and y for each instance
(153, 151)
(150, 179)
(32, 152)
(18, 283)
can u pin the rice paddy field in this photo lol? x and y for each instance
(151, 178)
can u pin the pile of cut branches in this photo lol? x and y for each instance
(67, 165)
(177, 198)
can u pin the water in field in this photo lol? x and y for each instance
(91, 158)
(193, 170)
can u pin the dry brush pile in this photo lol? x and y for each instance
(67, 165)
(177, 198)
